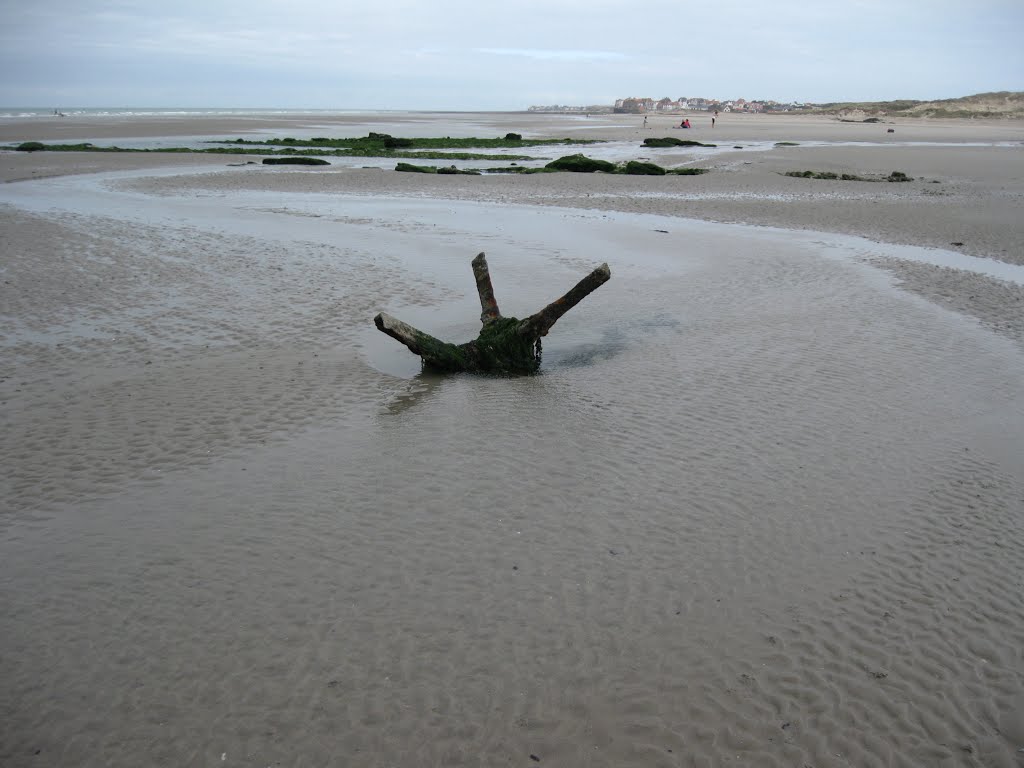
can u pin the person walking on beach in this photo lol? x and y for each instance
(645, 121)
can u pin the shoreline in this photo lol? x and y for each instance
(964, 200)
(734, 126)
(970, 196)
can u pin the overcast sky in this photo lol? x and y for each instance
(484, 54)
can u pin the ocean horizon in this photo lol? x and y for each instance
(37, 112)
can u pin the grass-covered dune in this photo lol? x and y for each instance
(995, 104)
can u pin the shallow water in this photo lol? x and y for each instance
(759, 506)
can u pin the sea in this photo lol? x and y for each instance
(12, 113)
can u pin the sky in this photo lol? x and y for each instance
(481, 55)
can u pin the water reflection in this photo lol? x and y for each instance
(415, 391)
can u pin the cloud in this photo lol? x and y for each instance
(461, 54)
(561, 55)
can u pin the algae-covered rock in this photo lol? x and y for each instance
(31, 146)
(294, 161)
(513, 137)
(672, 141)
(637, 168)
(843, 176)
(581, 164)
(520, 169)
(451, 170)
(410, 168)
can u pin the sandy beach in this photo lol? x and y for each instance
(763, 506)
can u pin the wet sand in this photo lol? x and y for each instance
(762, 507)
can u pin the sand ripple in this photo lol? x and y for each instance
(762, 507)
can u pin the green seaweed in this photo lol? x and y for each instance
(382, 141)
(519, 169)
(501, 348)
(581, 164)
(294, 161)
(304, 155)
(894, 176)
(291, 151)
(410, 168)
(637, 168)
(672, 141)
(442, 356)
(450, 170)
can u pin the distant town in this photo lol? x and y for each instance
(639, 106)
